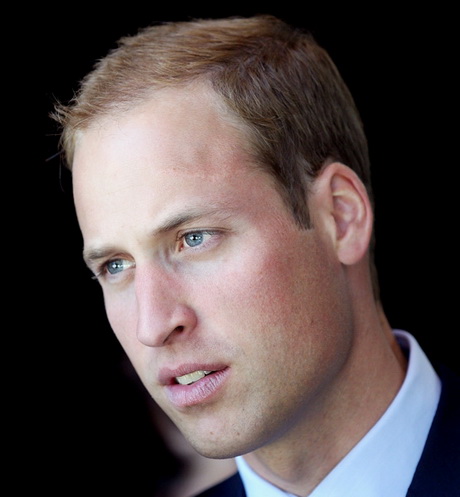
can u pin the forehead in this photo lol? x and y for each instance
(176, 128)
(179, 147)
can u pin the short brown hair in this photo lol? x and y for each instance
(273, 77)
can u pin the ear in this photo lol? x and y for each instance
(343, 204)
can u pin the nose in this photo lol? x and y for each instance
(162, 313)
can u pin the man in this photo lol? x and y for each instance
(222, 186)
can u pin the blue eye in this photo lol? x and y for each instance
(194, 239)
(117, 266)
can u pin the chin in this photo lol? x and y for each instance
(221, 447)
(213, 451)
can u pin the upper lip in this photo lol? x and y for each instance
(167, 376)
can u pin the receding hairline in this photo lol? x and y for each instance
(135, 58)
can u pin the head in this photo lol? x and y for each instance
(277, 82)
(222, 185)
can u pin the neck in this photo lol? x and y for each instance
(354, 402)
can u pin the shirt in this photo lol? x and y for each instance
(383, 462)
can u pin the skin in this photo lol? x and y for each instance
(309, 363)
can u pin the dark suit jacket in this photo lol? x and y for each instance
(438, 471)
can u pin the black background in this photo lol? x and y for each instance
(400, 66)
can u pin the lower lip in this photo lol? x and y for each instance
(199, 392)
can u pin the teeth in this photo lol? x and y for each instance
(189, 378)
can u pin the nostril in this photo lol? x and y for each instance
(179, 328)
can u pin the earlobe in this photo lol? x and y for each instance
(350, 211)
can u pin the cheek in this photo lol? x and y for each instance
(122, 319)
(262, 288)
(286, 302)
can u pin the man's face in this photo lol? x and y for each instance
(235, 319)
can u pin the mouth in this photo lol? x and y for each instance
(189, 378)
(191, 386)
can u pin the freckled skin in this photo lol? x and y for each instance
(267, 299)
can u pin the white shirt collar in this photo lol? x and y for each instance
(383, 463)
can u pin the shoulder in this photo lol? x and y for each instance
(437, 472)
(231, 487)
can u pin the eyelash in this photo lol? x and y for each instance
(102, 269)
(181, 238)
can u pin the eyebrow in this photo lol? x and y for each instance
(92, 255)
(179, 220)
